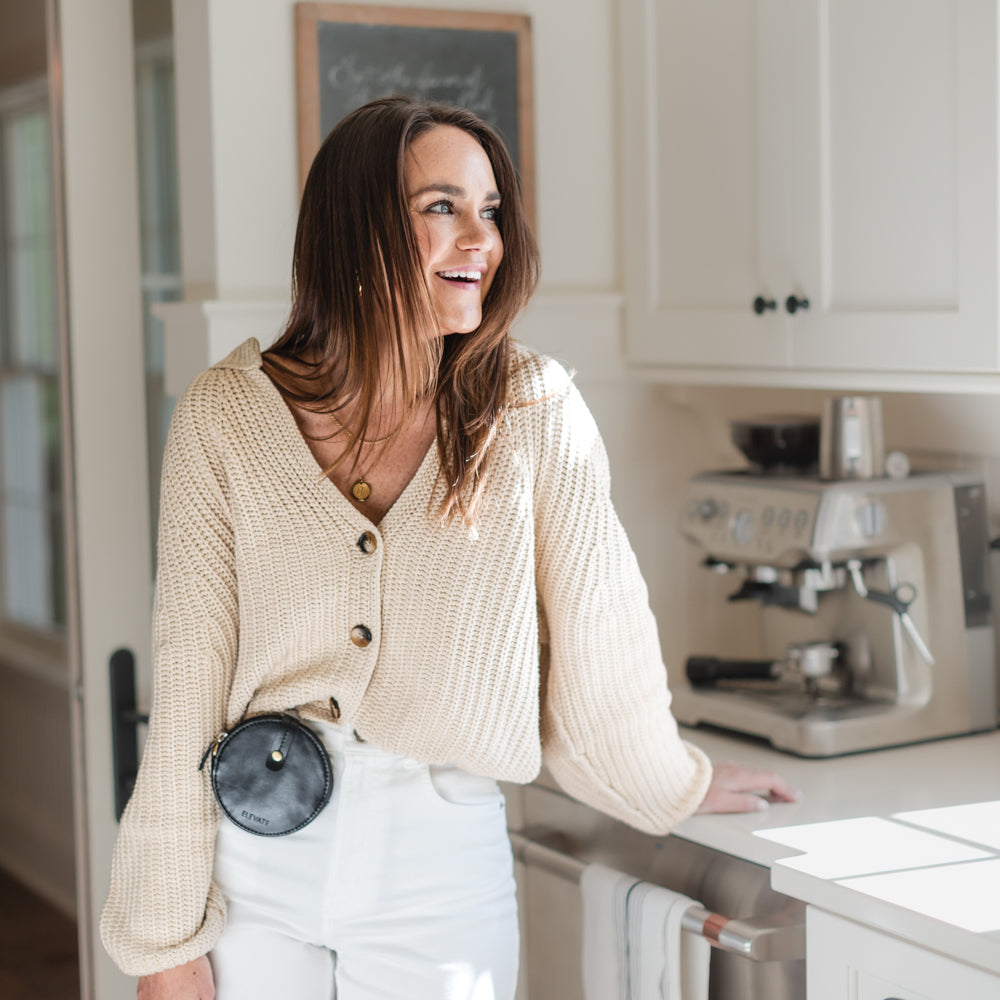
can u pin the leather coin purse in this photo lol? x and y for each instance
(270, 774)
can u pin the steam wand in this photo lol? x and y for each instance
(899, 600)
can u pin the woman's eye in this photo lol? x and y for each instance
(440, 208)
(492, 213)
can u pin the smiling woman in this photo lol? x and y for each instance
(396, 522)
(401, 199)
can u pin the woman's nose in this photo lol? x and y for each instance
(478, 234)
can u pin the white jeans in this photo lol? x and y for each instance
(401, 889)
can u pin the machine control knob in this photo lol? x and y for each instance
(743, 528)
(707, 509)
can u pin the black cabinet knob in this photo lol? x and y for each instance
(761, 305)
(794, 304)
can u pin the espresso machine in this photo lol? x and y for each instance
(872, 608)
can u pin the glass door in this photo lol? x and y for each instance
(37, 684)
(89, 243)
(106, 460)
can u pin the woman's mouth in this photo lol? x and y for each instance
(470, 277)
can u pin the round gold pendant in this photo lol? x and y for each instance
(361, 491)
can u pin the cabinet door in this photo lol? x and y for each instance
(897, 246)
(697, 250)
(848, 961)
(842, 153)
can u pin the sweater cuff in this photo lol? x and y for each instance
(651, 796)
(136, 956)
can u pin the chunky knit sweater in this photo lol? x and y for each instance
(528, 639)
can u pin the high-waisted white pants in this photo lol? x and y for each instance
(401, 889)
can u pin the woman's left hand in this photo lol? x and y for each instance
(736, 788)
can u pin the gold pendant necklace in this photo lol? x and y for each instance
(361, 490)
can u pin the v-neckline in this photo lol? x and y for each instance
(314, 470)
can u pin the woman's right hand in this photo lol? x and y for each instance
(191, 981)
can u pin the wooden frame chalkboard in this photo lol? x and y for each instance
(347, 54)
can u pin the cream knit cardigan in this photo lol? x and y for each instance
(261, 579)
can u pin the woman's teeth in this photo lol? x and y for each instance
(462, 275)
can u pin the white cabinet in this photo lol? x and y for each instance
(840, 151)
(847, 961)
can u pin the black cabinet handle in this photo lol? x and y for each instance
(794, 304)
(761, 305)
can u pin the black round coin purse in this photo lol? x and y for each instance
(270, 774)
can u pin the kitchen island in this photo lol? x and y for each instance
(892, 845)
(895, 854)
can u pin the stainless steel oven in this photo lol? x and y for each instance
(758, 935)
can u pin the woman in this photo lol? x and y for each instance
(398, 522)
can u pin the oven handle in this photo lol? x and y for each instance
(758, 939)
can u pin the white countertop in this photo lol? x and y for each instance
(906, 840)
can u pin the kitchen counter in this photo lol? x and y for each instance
(906, 840)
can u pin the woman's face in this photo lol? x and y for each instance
(454, 204)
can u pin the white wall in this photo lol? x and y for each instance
(248, 93)
(239, 173)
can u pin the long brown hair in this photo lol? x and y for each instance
(359, 297)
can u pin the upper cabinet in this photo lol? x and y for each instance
(810, 186)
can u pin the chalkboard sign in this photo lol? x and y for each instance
(349, 54)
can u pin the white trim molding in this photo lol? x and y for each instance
(198, 334)
(582, 329)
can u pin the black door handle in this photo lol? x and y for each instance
(761, 305)
(124, 726)
(794, 304)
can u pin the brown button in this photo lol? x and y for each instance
(368, 543)
(361, 635)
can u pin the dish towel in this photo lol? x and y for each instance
(633, 945)
(605, 932)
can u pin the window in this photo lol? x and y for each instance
(32, 568)
(32, 574)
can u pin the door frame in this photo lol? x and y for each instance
(92, 88)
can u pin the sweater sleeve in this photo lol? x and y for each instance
(608, 736)
(162, 909)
